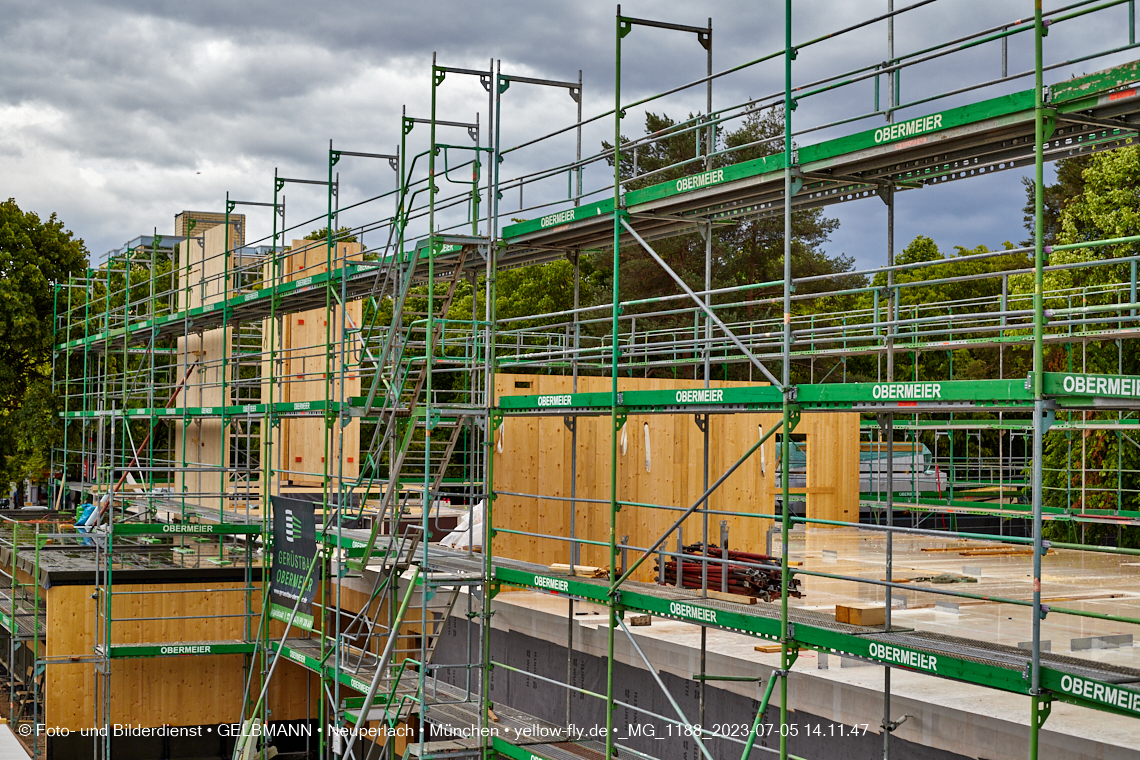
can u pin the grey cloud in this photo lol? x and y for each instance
(122, 102)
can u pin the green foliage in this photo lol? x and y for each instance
(746, 252)
(1094, 199)
(34, 255)
(519, 292)
(342, 235)
(1070, 183)
(953, 282)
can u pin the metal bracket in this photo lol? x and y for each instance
(394, 163)
(438, 75)
(409, 123)
(570, 422)
(504, 83)
(702, 421)
(624, 27)
(1044, 708)
(496, 420)
(334, 157)
(890, 727)
(473, 133)
(485, 80)
(619, 423)
(797, 185)
(793, 418)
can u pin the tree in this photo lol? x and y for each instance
(343, 235)
(34, 256)
(1069, 185)
(746, 252)
(1091, 469)
(953, 282)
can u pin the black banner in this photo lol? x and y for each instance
(294, 549)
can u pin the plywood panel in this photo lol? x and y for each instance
(305, 449)
(204, 441)
(535, 458)
(184, 691)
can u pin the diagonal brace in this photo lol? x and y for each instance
(704, 307)
(701, 500)
(696, 733)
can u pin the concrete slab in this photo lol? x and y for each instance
(10, 747)
(954, 717)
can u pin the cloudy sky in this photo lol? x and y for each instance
(117, 115)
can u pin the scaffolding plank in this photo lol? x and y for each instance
(182, 649)
(945, 657)
(950, 144)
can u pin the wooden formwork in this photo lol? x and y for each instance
(660, 461)
(186, 690)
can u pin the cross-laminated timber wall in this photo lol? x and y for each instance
(533, 456)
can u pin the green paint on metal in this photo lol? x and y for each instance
(301, 619)
(553, 221)
(506, 749)
(139, 332)
(182, 649)
(824, 396)
(555, 583)
(142, 529)
(1096, 84)
(1060, 384)
(1123, 699)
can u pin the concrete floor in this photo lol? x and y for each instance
(961, 718)
(10, 747)
(1083, 581)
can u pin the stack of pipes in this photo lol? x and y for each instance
(754, 575)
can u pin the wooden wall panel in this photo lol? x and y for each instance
(305, 336)
(535, 458)
(182, 691)
(204, 440)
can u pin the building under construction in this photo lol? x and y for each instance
(317, 497)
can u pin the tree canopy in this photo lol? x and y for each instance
(34, 255)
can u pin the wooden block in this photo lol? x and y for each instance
(860, 614)
(585, 571)
(735, 598)
(641, 620)
(767, 648)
